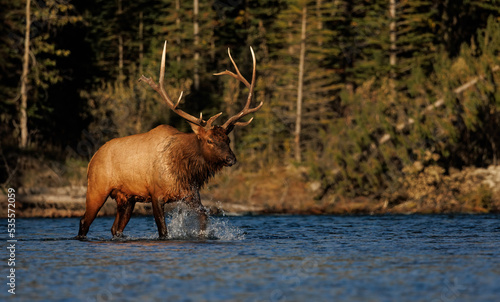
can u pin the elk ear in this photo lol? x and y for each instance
(196, 129)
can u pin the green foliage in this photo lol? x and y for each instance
(47, 20)
(366, 121)
(373, 146)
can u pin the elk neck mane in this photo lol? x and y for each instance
(182, 158)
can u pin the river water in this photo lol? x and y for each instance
(261, 258)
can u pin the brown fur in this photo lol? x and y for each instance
(159, 166)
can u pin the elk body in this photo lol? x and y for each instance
(163, 165)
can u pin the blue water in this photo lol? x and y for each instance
(262, 258)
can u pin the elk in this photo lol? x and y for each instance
(163, 165)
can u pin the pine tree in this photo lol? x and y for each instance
(38, 71)
(459, 20)
(321, 81)
(253, 23)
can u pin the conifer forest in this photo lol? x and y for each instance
(361, 97)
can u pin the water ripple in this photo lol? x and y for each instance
(263, 258)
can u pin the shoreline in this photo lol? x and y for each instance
(69, 201)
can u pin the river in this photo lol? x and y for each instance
(261, 258)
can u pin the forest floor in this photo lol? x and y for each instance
(279, 190)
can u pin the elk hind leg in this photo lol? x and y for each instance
(94, 202)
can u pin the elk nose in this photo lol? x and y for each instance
(230, 160)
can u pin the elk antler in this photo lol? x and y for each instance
(160, 88)
(233, 121)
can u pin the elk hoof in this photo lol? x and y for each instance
(203, 234)
(119, 235)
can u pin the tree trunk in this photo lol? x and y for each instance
(23, 121)
(298, 120)
(120, 47)
(141, 42)
(290, 38)
(178, 28)
(319, 20)
(196, 42)
(138, 124)
(392, 55)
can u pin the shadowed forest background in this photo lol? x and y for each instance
(368, 105)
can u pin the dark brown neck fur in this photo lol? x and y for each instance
(190, 167)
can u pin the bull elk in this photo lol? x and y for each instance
(163, 165)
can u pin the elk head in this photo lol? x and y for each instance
(214, 144)
(214, 140)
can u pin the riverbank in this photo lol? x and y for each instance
(422, 190)
(69, 201)
(288, 191)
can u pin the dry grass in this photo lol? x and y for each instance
(289, 190)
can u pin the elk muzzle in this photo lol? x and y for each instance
(230, 160)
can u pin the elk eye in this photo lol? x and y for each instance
(211, 142)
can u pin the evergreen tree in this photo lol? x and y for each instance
(459, 20)
(34, 45)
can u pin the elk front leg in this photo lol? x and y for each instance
(195, 203)
(125, 218)
(124, 209)
(159, 214)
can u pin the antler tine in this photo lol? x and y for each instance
(160, 88)
(163, 93)
(252, 86)
(244, 123)
(232, 121)
(212, 119)
(179, 100)
(239, 76)
(162, 71)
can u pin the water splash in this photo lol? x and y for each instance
(183, 224)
